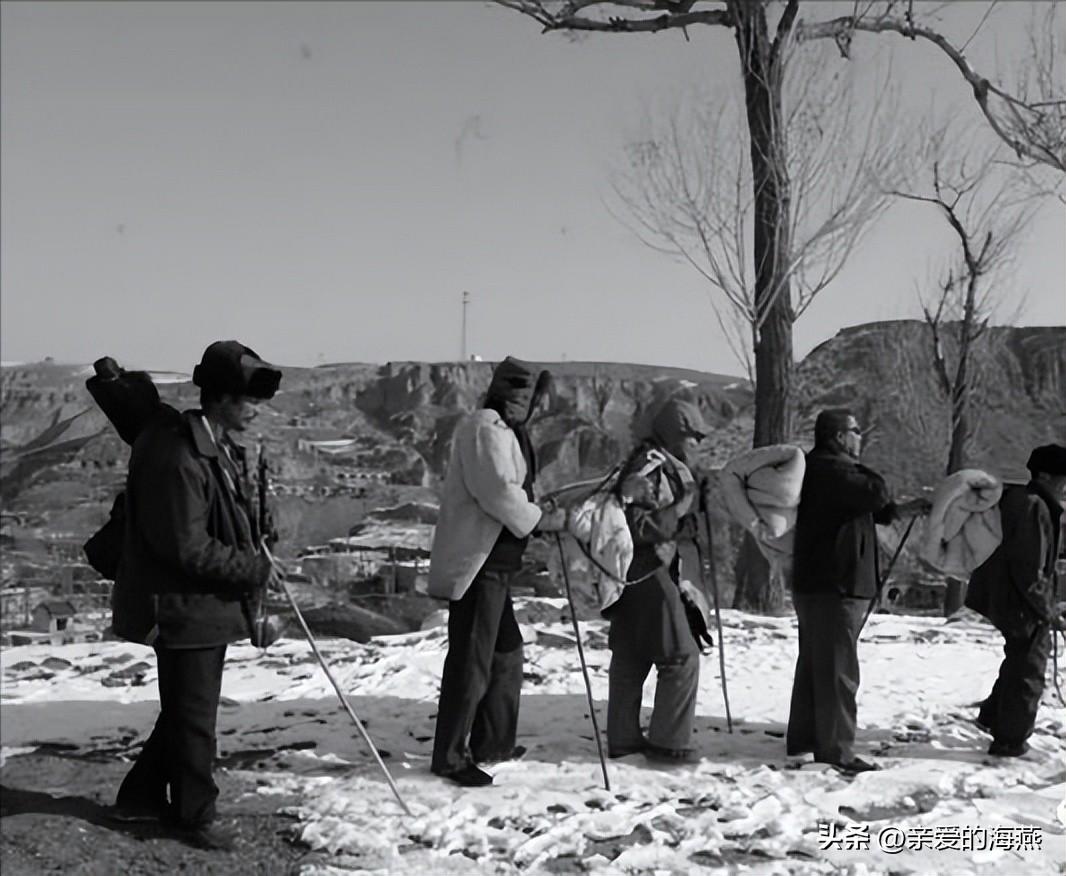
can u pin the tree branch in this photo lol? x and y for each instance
(784, 30)
(678, 15)
(1029, 146)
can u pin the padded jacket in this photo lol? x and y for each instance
(1015, 587)
(190, 545)
(835, 548)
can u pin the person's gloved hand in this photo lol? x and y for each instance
(918, 507)
(697, 613)
(636, 489)
(552, 519)
(274, 582)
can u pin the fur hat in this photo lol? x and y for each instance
(232, 368)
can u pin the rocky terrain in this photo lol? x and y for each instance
(345, 439)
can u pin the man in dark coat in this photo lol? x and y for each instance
(191, 549)
(1015, 589)
(486, 516)
(649, 622)
(834, 579)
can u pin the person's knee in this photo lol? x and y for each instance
(684, 668)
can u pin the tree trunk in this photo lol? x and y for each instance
(763, 75)
(960, 392)
(955, 592)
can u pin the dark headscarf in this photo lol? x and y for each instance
(676, 419)
(515, 389)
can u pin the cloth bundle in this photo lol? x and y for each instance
(762, 490)
(964, 526)
(599, 525)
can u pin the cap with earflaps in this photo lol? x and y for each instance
(1050, 459)
(232, 368)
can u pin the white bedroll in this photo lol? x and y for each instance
(761, 489)
(963, 528)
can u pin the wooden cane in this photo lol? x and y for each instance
(325, 668)
(584, 666)
(713, 575)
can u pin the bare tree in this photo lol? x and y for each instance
(1031, 127)
(1028, 125)
(683, 188)
(987, 202)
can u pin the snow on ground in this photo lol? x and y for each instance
(742, 808)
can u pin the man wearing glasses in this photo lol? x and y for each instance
(834, 579)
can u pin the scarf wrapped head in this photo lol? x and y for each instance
(676, 419)
(515, 389)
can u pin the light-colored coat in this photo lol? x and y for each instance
(482, 494)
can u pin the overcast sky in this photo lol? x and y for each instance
(322, 181)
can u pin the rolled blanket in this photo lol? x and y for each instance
(599, 526)
(762, 491)
(963, 527)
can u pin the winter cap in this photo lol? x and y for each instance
(1050, 459)
(232, 368)
(678, 418)
(515, 386)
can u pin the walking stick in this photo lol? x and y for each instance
(581, 658)
(713, 575)
(1055, 662)
(884, 578)
(325, 668)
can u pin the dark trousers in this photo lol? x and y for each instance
(674, 712)
(482, 676)
(1010, 709)
(822, 714)
(180, 753)
(649, 628)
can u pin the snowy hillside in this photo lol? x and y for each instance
(742, 808)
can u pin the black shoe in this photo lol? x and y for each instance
(669, 755)
(857, 765)
(469, 776)
(125, 813)
(615, 753)
(1008, 749)
(209, 837)
(982, 726)
(516, 753)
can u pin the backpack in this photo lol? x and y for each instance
(103, 550)
(130, 401)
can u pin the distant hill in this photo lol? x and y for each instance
(401, 416)
(885, 371)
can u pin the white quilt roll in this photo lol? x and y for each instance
(963, 527)
(599, 524)
(762, 490)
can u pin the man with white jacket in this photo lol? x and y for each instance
(486, 517)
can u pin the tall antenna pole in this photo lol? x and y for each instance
(466, 301)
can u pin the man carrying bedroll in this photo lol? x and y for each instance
(191, 541)
(487, 514)
(1015, 589)
(834, 579)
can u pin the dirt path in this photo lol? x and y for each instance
(53, 820)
